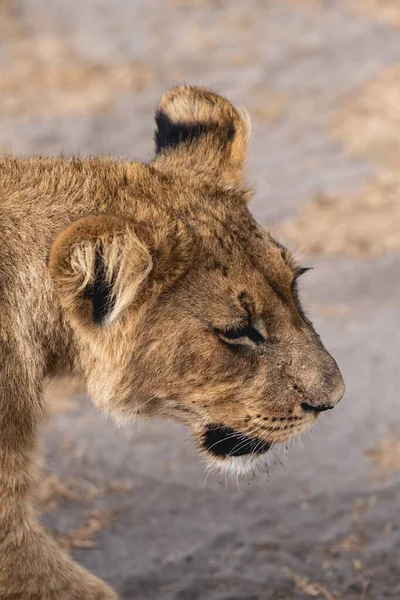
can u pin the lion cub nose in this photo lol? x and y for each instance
(335, 396)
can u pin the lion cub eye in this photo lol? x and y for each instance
(240, 335)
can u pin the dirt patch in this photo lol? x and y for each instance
(369, 125)
(384, 10)
(365, 223)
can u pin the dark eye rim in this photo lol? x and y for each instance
(237, 333)
(294, 288)
(295, 292)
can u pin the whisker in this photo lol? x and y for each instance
(228, 437)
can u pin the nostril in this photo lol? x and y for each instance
(315, 408)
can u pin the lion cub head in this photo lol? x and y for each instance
(183, 306)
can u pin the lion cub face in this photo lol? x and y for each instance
(186, 308)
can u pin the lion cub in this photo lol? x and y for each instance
(154, 283)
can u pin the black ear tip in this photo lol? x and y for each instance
(100, 292)
(170, 134)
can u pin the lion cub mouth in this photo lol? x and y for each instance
(223, 442)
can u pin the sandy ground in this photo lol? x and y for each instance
(321, 79)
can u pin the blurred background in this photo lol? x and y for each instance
(321, 80)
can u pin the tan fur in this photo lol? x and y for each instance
(140, 277)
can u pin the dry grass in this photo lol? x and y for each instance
(45, 81)
(310, 588)
(386, 456)
(352, 542)
(267, 105)
(196, 3)
(356, 538)
(306, 3)
(83, 535)
(369, 124)
(365, 223)
(44, 77)
(51, 490)
(383, 10)
(10, 24)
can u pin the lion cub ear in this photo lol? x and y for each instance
(99, 267)
(203, 131)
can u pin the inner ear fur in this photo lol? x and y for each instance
(99, 265)
(204, 131)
